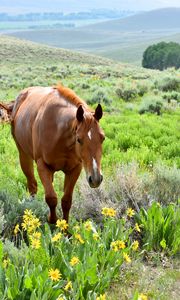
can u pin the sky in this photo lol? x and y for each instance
(22, 6)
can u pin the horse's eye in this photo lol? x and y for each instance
(79, 141)
(102, 137)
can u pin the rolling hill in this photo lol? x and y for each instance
(160, 19)
(123, 40)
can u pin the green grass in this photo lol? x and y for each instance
(155, 281)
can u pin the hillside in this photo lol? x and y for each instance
(160, 19)
(14, 50)
(123, 40)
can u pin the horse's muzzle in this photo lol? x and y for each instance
(94, 182)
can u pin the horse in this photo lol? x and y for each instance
(55, 128)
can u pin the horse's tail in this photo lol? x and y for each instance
(6, 111)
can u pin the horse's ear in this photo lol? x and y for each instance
(98, 112)
(80, 114)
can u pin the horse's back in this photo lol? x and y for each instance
(40, 115)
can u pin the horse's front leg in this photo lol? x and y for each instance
(46, 176)
(69, 183)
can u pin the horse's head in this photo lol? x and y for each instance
(89, 139)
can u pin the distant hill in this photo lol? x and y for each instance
(160, 19)
(123, 40)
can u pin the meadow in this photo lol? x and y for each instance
(125, 235)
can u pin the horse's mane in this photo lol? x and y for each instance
(69, 95)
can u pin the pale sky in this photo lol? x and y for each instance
(21, 6)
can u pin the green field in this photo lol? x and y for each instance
(129, 254)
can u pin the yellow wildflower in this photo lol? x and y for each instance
(142, 297)
(60, 298)
(74, 261)
(55, 275)
(95, 236)
(117, 245)
(135, 245)
(108, 212)
(88, 225)
(130, 212)
(35, 244)
(114, 246)
(28, 214)
(126, 257)
(35, 223)
(121, 245)
(6, 263)
(62, 224)
(36, 235)
(79, 238)
(16, 229)
(56, 237)
(68, 286)
(137, 228)
(101, 297)
(30, 222)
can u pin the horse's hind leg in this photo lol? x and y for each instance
(46, 176)
(28, 170)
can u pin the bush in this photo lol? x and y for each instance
(165, 186)
(160, 228)
(152, 104)
(99, 96)
(126, 92)
(170, 83)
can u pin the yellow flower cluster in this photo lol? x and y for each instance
(62, 224)
(126, 257)
(137, 228)
(142, 297)
(117, 245)
(30, 222)
(108, 212)
(101, 297)
(78, 237)
(88, 225)
(68, 286)
(56, 237)
(35, 240)
(55, 275)
(95, 236)
(135, 245)
(74, 261)
(130, 212)
(16, 229)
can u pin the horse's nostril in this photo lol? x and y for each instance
(101, 178)
(90, 180)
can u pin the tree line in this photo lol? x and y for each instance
(162, 56)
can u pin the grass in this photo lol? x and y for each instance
(158, 282)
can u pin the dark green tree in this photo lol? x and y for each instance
(162, 56)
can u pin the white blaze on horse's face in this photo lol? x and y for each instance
(89, 134)
(89, 137)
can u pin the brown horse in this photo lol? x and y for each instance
(54, 127)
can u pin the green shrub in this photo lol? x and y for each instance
(168, 83)
(126, 91)
(165, 186)
(152, 104)
(99, 96)
(160, 228)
